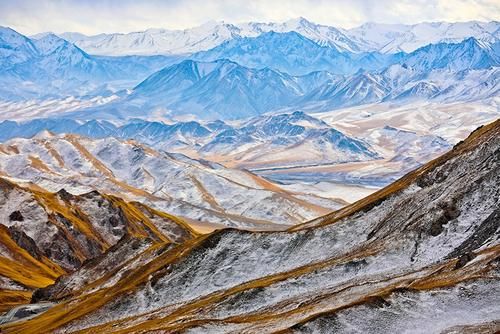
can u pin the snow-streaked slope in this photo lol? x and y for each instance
(362, 88)
(427, 242)
(445, 72)
(69, 229)
(292, 53)
(206, 90)
(204, 192)
(468, 54)
(288, 139)
(40, 108)
(14, 48)
(451, 121)
(222, 89)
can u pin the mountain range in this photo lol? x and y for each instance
(251, 178)
(224, 89)
(51, 66)
(215, 109)
(245, 76)
(290, 139)
(292, 53)
(384, 38)
(281, 146)
(427, 242)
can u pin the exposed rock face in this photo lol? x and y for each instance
(113, 263)
(420, 254)
(25, 242)
(44, 235)
(70, 229)
(16, 216)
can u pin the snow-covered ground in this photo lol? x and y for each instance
(451, 121)
(347, 192)
(32, 109)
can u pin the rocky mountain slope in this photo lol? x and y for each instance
(207, 194)
(44, 235)
(421, 253)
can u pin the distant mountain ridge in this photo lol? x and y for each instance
(224, 89)
(52, 66)
(384, 38)
(276, 141)
(391, 38)
(285, 133)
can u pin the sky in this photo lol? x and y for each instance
(93, 17)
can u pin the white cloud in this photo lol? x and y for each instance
(92, 17)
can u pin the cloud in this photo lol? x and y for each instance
(92, 17)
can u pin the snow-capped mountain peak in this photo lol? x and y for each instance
(14, 47)
(50, 43)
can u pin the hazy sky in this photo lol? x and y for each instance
(92, 17)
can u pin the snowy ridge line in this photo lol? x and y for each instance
(386, 38)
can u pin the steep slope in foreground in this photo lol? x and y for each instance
(421, 254)
(44, 235)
